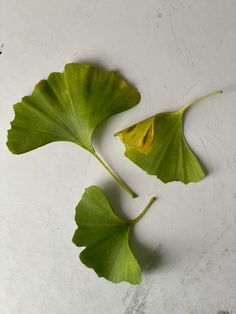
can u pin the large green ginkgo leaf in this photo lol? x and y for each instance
(157, 145)
(106, 238)
(69, 106)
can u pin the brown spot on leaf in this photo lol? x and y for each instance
(40, 84)
(131, 128)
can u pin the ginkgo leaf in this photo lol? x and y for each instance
(69, 106)
(157, 145)
(106, 238)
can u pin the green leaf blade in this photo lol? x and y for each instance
(106, 238)
(69, 106)
(95, 218)
(170, 158)
(113, 259)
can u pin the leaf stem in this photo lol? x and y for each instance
(121, 183)
(144, 211)
(200, 98)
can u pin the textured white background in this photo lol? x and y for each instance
(172, 51)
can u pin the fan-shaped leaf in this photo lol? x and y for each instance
(106, 238)
(157, 145)
(69, 106)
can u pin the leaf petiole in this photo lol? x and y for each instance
(144, 211)
(200, 98)
(121, 183)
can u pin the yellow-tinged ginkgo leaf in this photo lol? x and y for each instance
(158, 146)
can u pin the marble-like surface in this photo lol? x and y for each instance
(173, 51)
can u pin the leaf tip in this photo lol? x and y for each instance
(134, 195)
(153, 199)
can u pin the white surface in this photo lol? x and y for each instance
(172, 51)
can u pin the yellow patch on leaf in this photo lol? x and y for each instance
(139, 136)
(40, 84)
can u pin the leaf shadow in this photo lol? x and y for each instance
(114, 195)
(149, 259)
(229, 88)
